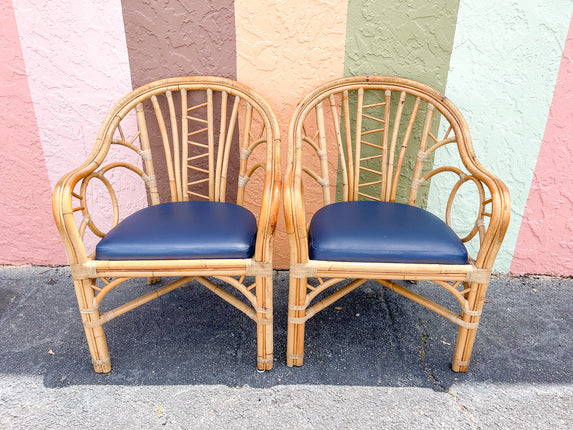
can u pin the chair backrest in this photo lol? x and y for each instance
(378, 138)
(187, 138)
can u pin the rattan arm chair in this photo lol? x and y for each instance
(370, 144)
(213, 138)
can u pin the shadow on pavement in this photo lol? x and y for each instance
(372, 337)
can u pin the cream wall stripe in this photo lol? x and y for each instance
(502, 75)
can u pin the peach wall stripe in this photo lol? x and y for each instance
(26, 226)
(284, 49)
(545, 241)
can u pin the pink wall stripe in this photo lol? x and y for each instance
(77, 64)
(26, 224)
(545, 241)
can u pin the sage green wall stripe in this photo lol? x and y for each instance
(411, 39)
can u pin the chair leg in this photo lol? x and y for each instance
(296, 312)
(95, 336)
(466, 336)
(264, 292)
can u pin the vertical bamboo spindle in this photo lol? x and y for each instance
(344, 171)
(398, 117)
(148, 161)
(221, 146)
(402, 153)
(175, 139)
(384, 170)
(243, 164)
(358, 140)
(166, 148)
(228, 143)
(184, 145)
(348, 137)
(211, 144)
(419, 163)
(322, 154)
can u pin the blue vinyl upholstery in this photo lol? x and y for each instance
(383, 232)
(182, 231)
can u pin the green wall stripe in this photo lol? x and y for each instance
(408, 39)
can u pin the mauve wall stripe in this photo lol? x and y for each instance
(174, 38)
(545, 240)
(27, 229)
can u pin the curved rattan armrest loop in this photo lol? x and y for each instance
(62, 208)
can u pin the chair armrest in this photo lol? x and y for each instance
(63, 210)
(269, 207)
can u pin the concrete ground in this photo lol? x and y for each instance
(373, 360)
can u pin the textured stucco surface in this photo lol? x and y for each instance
(187, 38)
(284, 50)
(26, 226)
(545, 241)
(502, 74)
(76, 62)
(67, 62)
(406, 39)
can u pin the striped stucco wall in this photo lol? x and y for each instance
(507, 65)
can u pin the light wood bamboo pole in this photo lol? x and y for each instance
(385, 136)
(403, 148)
(341, 157)
(166, 148)
(176, 155)
(145, 146)
(358, 140)
(229, 298)
(322, 154)
(135, 303)
(245, 152)
(211, 144)
(221, 146)
(184, 146)
(313, 310)
(228, 144)
(420, 163)
(440, 310)
(95, 336)
(397, 119)
(349, 150)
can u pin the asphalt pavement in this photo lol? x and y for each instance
(373, 360)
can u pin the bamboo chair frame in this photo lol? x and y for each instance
(468, 282)
(70, 196)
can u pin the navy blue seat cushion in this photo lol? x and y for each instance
(382, 232)
(182, 231)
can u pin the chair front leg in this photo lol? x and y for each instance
(94, 333)
(296, 322)
(264, 293)
(466, 336)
